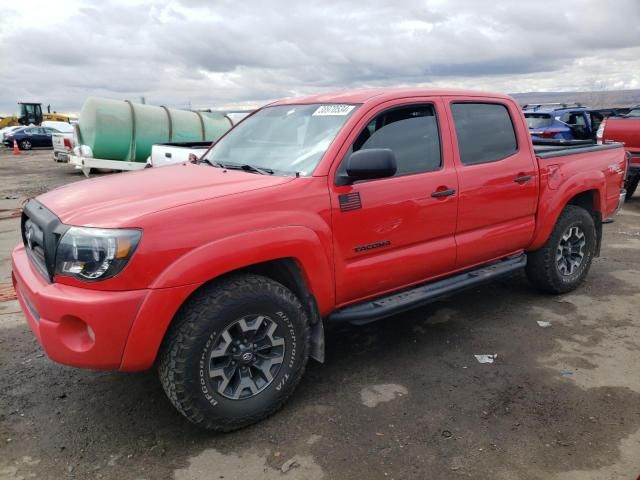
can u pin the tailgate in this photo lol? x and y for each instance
(57, 141)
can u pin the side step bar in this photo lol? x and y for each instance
(370, 311)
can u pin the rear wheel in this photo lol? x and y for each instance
(235, 353)
(25, 145)
(562, 264)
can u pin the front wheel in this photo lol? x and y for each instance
(562, 264)
(26, 145)
(235, 353)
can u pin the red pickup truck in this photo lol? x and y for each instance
(625, 129)
(348, 207)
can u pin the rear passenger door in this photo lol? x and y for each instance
(392, 232)
(498, 180)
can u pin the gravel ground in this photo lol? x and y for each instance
(399, 399)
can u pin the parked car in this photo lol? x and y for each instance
(30, 137)
(7, 130)
(625, 129)
(562, 122)
(319, 210)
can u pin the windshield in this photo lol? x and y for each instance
(538, 120)
(289, 139)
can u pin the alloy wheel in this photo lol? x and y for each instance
(246, 357)
(570, 251)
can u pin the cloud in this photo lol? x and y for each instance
(214, 54)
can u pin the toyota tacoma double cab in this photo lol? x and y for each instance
(346, 207)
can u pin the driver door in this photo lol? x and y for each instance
(397, 231)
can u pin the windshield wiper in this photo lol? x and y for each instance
(243, 166)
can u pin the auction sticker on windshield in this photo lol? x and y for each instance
(339, 110)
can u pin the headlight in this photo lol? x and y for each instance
(95, 253)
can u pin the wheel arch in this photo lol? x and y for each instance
(588, 196)
(289, 272)
(293, 256)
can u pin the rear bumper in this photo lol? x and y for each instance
(60, 156)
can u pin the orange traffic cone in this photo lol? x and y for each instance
(16, 150)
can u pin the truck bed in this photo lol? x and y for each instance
(549, 151)
(164, 154)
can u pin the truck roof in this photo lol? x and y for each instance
(381, 94)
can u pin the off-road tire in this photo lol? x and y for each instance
(195, 329)
(542, 270)
(631, 186)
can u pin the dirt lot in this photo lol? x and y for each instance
(402, 398)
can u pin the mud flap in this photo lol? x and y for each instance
(317, 341)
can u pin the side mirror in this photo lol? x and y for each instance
(369, 164)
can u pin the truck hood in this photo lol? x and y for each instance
(118, 200)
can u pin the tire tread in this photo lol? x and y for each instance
(172, 365)
(541, 263)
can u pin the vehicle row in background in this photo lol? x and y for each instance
(35, 137)
(562, 121)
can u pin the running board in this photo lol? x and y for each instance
(381, 307)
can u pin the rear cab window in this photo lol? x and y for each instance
(485, 132)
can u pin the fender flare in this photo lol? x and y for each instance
(225, 255)
(553, 202)
(184, 276)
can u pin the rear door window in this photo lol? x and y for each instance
(485, 132)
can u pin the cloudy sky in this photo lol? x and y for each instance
(208, 53)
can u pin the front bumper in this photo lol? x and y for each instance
(76, 326)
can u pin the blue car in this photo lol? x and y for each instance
(30, 137)
(553, 121)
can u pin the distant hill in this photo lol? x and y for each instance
(601, 99)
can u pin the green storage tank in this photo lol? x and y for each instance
(122, 130)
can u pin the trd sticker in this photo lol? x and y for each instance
(349, 201)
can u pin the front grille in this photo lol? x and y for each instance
(41, 232)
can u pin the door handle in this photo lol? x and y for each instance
(522, 178)
(443, 193)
